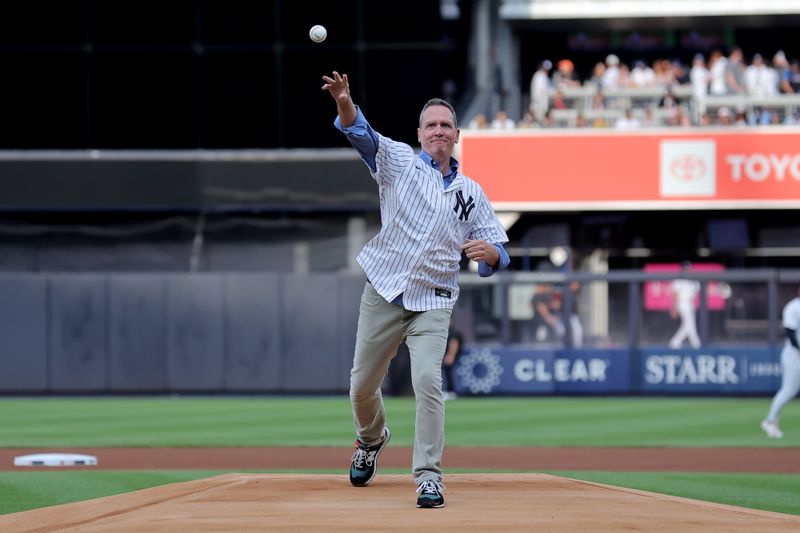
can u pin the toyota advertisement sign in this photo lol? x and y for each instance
(651, 169)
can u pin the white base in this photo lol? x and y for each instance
(55, 459)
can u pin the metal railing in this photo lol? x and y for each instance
(579, 102)
(492, 301)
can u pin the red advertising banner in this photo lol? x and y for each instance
(702, 169)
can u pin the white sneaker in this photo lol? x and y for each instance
(771, 429)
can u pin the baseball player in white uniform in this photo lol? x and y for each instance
(430, 214)
(685, 291)
(790, 368)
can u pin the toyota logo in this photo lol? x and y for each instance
(688, 168)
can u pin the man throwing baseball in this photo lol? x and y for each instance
(430, 214)
(790, 368)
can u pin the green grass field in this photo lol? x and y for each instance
(326, 421)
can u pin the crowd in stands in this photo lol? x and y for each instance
(721, 90)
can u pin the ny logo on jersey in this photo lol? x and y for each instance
(466, 207)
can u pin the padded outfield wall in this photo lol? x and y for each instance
(291, 333)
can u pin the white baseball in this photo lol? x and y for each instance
(318, 33)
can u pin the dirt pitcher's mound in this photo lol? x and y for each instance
(313, 503)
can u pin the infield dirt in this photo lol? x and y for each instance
(475, 502)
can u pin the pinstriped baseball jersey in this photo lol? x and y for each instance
(791, 315)
(423, 226)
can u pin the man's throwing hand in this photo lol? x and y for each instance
(338, 86)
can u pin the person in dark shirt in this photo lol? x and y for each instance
(454, 344)
(547, 325)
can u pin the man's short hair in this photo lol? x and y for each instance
(438, 101)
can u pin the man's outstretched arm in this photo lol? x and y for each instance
(339, 88)
(351, 121)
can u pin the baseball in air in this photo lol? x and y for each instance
(318, 33)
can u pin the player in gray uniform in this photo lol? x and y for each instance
(790, 368)
(430, 214)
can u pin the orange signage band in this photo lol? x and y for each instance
(651, 169)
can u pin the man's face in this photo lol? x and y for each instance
(437, 134)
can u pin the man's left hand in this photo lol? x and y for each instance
(482, 251)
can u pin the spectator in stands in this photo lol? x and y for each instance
(788, 73)
(540, 88)
(627, 121)
(763, 116)
(503, 122)
(759, 79)
(610, 80)
(721, 76)
(741, 118)
(669, 105)
(558, 100)
(700, 77)
(680, 75)
(597, 103)
(478, 122)
(784, 72)
(565, 76)
(624, 78)
(663, 76)
(580, 121)
(724, 116)
(649, 119)
(527, 121)
(642, 75)
(794, 78)
(717, 66)
(598, 100)
(734, 73)
(598, 71)
(669, 100)
(679, 118)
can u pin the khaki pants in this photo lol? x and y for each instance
(382, 326)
